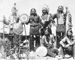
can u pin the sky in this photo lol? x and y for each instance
(24, 6)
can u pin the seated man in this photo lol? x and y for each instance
(48, 42)
(67, 43)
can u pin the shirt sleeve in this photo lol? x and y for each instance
(43, 39)
(63, 40)
(54, 16)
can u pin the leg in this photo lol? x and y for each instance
(50, 53)
(61, 52)
(11, 39)
(37, 40)
(58, 35)
(31, 43)
(74, 51)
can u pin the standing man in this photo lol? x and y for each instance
(34, 21)
(61, 24)
(46, 20)
(13, 18)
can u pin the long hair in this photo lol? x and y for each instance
(33, 12)
(70, 36)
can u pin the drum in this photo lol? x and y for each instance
(24, 18)
(41, 51)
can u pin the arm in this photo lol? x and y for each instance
(29, 20)
(54, 16)
(43, 40)
(51, 17)
(40, 22)
(70, 42)
(46, 41)
(62, 41)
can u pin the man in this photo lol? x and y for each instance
(46, 20)
(16, 28)
(34, 21)
(67, 43)
(61, 24)
(48, 41)
(13, 18)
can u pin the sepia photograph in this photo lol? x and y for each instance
(37, 30)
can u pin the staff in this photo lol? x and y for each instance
(24, 20)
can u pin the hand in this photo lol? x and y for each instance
(39, 30)
(67, 45)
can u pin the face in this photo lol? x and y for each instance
(33, 11)
(69, 33)
(44, 11)
(60, 9)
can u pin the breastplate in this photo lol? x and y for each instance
(45, 18)
(61, 19)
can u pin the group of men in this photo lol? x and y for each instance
(43, 30)
(41, 26)
(44, 25)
